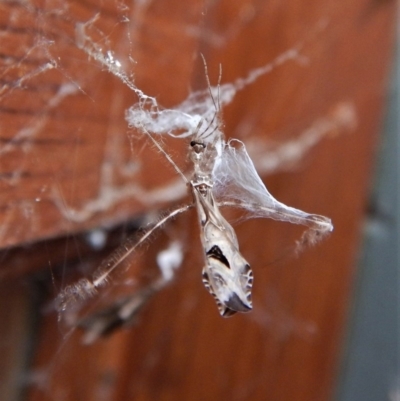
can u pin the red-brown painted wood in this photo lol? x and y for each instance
(289, 346)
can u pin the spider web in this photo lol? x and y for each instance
(62, 49)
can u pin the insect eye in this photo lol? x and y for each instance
(198, 147)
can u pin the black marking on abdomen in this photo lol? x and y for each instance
(216, 253)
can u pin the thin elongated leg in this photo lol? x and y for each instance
(166, 155)
(84, 289)
(125, 310)
(121, 313)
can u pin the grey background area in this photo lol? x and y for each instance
(370, 368)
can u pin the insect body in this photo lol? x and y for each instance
(226, 274)
(223, 175)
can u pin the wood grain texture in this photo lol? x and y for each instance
(56, 148)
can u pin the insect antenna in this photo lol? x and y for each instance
(216, 104)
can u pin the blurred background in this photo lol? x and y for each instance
(370, 367)
(321, 126)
